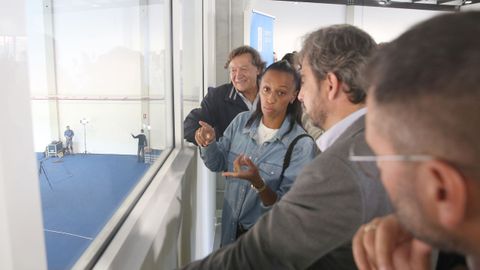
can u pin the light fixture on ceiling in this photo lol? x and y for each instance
(467, 2)
(384, 2)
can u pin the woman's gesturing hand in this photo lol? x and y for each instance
(249, 172)
(205, 134)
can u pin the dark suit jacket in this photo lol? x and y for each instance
(218, 108)
(311, 227)
(142, 139)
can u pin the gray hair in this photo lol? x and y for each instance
(342, 50)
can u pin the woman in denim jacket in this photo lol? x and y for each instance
(252, 150)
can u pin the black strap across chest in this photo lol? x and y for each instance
(288, 154)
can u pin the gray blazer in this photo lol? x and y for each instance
(311, 227)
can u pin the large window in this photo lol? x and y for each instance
(191, 52)
(102, 68)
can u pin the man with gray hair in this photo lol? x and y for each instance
(312, 226)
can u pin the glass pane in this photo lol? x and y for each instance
(100, 69)
(191, 56)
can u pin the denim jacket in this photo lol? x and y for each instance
(242, 205)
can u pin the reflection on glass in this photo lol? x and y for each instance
(191, 56)
(96, 77)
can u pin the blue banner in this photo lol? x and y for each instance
(261, 35)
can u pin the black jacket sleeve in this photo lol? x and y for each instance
(205, 113)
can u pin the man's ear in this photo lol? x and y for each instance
(333, 85)
(446, 192)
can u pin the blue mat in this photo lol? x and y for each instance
(79, 195)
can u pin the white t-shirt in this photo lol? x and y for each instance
(264, 133)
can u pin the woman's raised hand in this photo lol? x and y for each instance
(205, 134)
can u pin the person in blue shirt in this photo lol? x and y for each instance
(252, 150)
(68, 139)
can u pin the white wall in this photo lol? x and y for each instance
(294, 20)
(109, 128)
(97, 53)
(41, 125)
(385, 24)
(108, 131)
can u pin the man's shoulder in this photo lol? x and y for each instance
(221, 90)
(326, 164)
(220, 94)
(306, 139)
(334, 162)
(354, 135)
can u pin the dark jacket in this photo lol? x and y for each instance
(218, 108)
(142, 139)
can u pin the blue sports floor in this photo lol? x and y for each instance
(85, 191)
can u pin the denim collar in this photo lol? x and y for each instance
(252, 131)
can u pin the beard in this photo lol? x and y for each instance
(318, 115)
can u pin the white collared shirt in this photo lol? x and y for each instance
(252, 106)
(332, 134)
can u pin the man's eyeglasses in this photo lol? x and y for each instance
(411, 158)
(366, 163)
